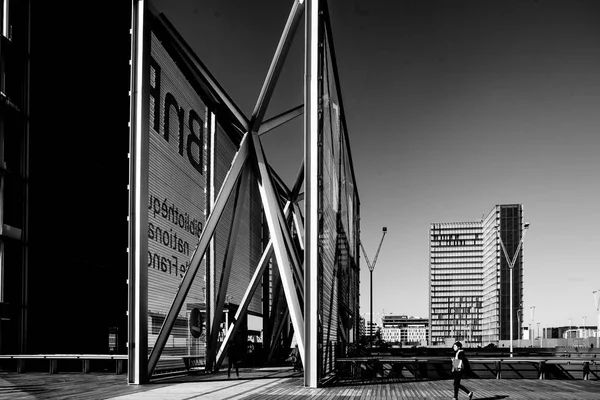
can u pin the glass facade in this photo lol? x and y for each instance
(490, 312)
(511, 232)
(455, 282)
(470, 281)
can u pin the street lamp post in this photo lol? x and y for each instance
(532, 308)
(371, 268)
(519, 316)
(511, 264)
(597, 304)
(570, 325)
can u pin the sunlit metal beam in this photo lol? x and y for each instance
(285, 42)
(280, 119)
(311, 151)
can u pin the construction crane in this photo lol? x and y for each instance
(371, 268)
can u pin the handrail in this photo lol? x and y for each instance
(66, 356)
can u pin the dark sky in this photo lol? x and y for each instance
(452, 107)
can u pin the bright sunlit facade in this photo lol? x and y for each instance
(469, 278)
(455, 282)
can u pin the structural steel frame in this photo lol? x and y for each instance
(298, 272)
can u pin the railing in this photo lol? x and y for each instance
(53, 359)
(488, 363)
(412, 368)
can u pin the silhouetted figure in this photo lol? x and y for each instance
(460, 363)
(250, 354)
(295, 359)
(233, 359)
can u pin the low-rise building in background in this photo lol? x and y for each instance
(404, 330)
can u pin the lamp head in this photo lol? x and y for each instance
(385, 229)
(526, 225)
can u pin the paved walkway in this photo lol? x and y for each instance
(291, 388)
(276, 383)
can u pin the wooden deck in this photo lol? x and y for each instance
(276, 383)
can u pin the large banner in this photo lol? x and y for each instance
(177, 183)
(183, 140)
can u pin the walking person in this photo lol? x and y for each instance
(460, 363)
(232, 359)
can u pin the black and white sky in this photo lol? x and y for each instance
(452, 107)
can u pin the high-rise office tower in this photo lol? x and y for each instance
(503, 222)
(469, 278)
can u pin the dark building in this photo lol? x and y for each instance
(64, 140)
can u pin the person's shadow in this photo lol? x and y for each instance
(496, 397)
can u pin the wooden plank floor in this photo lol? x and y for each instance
(272, 384)
(483, 389)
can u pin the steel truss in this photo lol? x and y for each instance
(293, 240)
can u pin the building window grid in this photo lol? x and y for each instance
(489, 257)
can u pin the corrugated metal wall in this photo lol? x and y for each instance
(177, 203)
(338, 229)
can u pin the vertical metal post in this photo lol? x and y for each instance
(532, 308)
(511, 264)
(371, 302)
(211, 265)
(511, 310)
(596, 294)
(137, 366)
(519, 328)
(311, 156)
(531, 335)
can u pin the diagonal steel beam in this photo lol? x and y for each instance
(295, 192)
(281, 186)
(281, 323)
(227, 264)
(277, 227)
(260, 108)
(232, 329)
(245, 302)
(285, 42)
(297, 270)
(201, 73)
(280, 119)
(242, 309)
(233, 174)
(299, 223)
